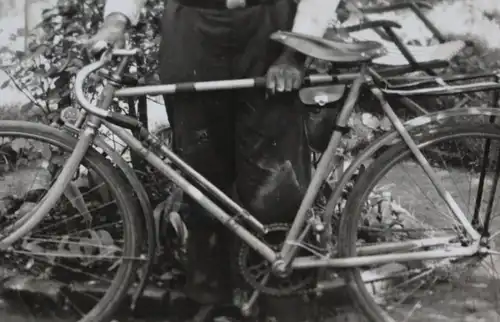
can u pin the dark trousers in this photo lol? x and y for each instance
(248, 145)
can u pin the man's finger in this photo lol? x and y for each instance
(289, 80)
(297, 83)
(280, 81)
(271, 82)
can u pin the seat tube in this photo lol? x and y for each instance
(324, 167)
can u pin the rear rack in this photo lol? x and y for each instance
(439, 85)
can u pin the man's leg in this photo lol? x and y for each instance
(273, 172)
(272, 154)
(203, 135)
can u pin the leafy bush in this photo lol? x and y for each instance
(46, 72)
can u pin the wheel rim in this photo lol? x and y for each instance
(44, 265)
(441, 296)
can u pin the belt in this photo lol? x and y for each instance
(221, 4)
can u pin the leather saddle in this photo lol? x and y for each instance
(335, 49)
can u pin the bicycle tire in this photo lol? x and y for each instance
(109, 303)
(348, 228)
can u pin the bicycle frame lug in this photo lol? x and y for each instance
(93, 123)
(484, 241)
(280, 268)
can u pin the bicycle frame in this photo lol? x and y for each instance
(286, 258)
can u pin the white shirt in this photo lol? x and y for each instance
(312, 18)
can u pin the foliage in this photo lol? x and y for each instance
(46, 72)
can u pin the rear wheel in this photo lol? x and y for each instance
(394, 200)
(79, 262)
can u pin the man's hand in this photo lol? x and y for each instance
(287, 73)
(112, 33)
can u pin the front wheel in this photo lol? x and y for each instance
(394, 200)
(78, 263)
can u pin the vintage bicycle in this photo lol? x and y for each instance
(384, 232)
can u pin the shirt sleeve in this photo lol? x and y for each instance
(314, 16)
(129, 8)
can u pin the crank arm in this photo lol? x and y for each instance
(246, 308)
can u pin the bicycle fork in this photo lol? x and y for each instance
(398, 125)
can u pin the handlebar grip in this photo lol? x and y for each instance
(123, 120)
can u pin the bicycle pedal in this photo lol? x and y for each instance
(70, 115)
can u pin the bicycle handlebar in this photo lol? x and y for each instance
(114, 117)
(78, 88)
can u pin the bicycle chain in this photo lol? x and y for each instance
(299, 289)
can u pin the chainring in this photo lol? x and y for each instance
(253, 268)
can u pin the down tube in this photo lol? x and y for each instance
(195, 193)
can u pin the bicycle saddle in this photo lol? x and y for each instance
(335, 49)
